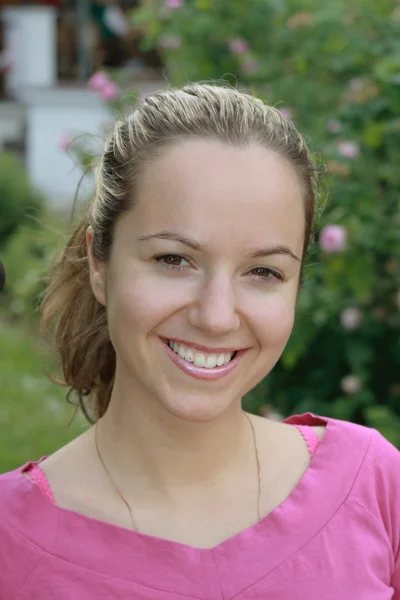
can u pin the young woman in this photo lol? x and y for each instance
(174, 297)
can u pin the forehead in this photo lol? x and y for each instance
(218, 192)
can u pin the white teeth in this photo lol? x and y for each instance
(189, 356)
(220, 360)
(200, 359)
(211, 361)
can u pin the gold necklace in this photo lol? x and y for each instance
(135, 527)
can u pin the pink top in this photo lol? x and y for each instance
(337, 535)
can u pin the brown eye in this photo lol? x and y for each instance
(172, 261)
(266, 273)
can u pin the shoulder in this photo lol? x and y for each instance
(25, 509)
(380, 458)
(25, 512)
(376, 486)
(382, 465)
(11, 488)
(20, 547)
(358, 455)
(375, 454)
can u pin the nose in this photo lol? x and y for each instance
(214, 310)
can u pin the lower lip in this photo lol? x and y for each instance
(200, 372)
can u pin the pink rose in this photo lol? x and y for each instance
(174, 3)
(170, 42)
(286, 113)
(333, 238)
(65, 142)
(350, 385)
(350, 318)
(238, 46)
(349, 149)
(110, 91)
(98, 81)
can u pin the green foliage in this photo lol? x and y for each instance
(35, 418)
(27, 256)
(18, 200)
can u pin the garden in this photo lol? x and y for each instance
(334, 69)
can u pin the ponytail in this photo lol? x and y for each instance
(75, 324)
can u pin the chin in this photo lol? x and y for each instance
(197, 409)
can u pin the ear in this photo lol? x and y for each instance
(96, 270)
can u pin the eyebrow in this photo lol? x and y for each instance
(199, 247)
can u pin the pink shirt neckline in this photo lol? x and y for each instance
(129, 547)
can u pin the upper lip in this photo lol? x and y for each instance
(202, 348)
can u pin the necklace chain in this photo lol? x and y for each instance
(135, 527)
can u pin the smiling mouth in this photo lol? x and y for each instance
(199, 358)
(200, 364)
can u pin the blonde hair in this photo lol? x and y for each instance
(71, 317)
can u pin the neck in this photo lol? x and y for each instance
(141, 442)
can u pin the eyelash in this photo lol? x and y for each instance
(164, 265)
(160, 259)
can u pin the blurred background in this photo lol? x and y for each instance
(69, 67)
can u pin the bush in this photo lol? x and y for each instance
(27, 256)
(19, 202)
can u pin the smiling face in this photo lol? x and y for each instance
(203, 276)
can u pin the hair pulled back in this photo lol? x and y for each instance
(71, 317)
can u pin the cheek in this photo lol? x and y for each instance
(141, 304)
(273, 320)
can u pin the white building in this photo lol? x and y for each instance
(42, 109)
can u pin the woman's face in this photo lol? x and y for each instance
(203, 277)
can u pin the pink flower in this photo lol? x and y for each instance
(98, 81)
(349, 149)
(333, 238)
(170, 42)
(65, 142)
(249, 66)
(110, 91)
(350, 385)
(334, 126)
(238, 46)
(286, 113)
(350, 318)
(174, 3)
